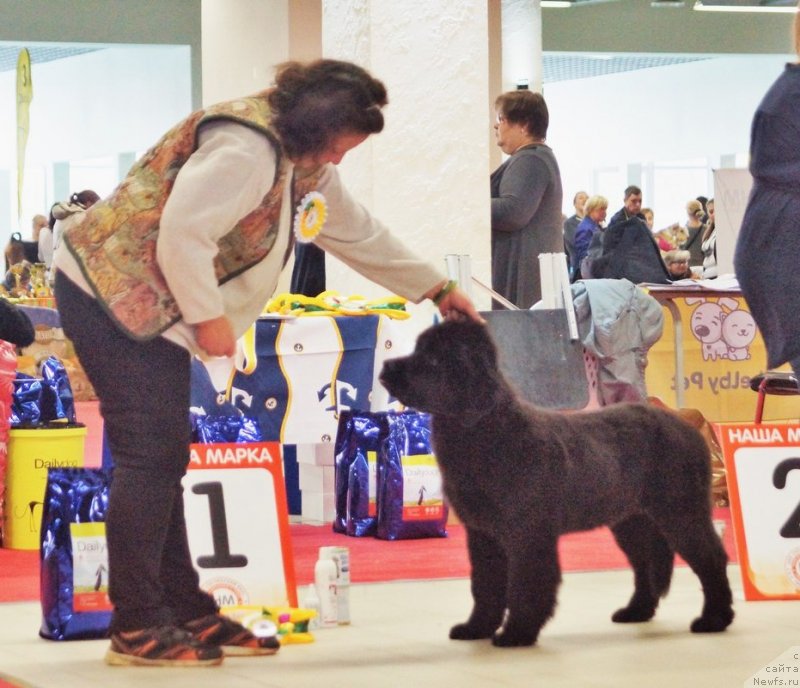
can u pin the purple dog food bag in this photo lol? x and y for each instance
(410, 498)
(358, 441)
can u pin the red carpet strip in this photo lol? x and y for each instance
(373, 560)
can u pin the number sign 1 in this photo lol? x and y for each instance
(763, 473)
(236, 518)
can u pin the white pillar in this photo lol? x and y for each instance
(426, 174)
(243, 40)
(522, 44)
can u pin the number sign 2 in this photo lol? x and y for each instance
(236, 518)
(763, 473)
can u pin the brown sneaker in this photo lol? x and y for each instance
(161, 646)
(232, 637)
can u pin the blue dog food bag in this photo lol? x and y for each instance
(74, 560)
(410, 497)
(358, 442)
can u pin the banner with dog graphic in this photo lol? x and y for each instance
(722, 350)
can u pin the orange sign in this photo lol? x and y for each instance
(763, 472)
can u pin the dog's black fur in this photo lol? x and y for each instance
(519, 476)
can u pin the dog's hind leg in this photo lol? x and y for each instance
(699, 545)
(651, 558)
(488, 583)
(533, 579)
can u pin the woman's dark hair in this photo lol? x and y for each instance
(525, 107)
(315, 102)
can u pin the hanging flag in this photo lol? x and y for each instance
(24, 97)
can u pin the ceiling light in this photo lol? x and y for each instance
(710, 6)
(556, 4)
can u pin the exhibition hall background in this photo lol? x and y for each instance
(655, 96)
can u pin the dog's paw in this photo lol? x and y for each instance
(712, 623)
(632, 615)
(466, 631)
(505, 638)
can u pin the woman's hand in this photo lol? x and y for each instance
(216, 337)
(454, 304)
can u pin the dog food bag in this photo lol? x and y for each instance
(58, 402)
(358, 441)
(410, 498)
(74, 561)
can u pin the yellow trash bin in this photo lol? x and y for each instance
(30, 454)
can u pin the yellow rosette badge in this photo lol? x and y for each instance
(310, 217)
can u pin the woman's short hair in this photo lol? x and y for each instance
(312, 103)
(677, 256)
(593, 203)
(525, 107)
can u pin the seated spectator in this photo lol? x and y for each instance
(595, 214)
(709, 244)
(694, 232)
(677, 263)
(632, 206)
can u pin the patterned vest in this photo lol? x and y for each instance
(115, 245)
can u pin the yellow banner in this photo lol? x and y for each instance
(722, 350)
(24, 97)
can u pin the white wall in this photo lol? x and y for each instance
(115, 100)
(659, 116)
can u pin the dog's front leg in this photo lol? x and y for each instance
(488, 579)
(533, 579)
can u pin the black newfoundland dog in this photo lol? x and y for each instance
(519, 476)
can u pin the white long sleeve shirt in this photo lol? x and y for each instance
(224, 180)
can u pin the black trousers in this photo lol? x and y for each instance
(143, 389)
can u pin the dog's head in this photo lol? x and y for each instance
(452, 371)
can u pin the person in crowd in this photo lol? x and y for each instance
(765, 258)
(17, 280)
(15, 325)
(180, 259)
(632, 206)
(596, 209)
(649, 218)
(571, 225)
(46, 240)
(67, 211)
(32, 246)
(526, 197)
(709, 243)
(703, 200)
(694, 231)
(677, 262)
(670, 238)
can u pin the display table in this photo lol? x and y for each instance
(710, 349)
(295, 376)
(50, 340)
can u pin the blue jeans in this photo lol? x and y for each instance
(143, 389)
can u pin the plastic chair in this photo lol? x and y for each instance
(772, 382)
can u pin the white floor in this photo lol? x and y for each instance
(399, 638)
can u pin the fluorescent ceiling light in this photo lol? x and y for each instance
(698, 5)
(556, 4)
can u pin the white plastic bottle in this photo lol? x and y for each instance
(325, 580)
(311, 601)
(341, 557)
